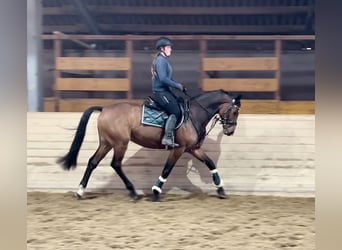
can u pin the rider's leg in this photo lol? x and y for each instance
(169, 136)
(169, 102)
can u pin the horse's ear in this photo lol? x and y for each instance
(236, 99)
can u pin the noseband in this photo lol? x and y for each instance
(224, 121)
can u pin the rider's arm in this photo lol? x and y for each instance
(161, 69)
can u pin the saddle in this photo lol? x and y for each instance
(154, 115)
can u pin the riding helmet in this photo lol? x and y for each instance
(162, 42)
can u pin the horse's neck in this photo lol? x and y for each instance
(201, 116)
(202, 111)
(206, 114)
(209, 104)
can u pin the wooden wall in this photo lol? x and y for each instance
(212, 62)
(248, 106)
(268, 155)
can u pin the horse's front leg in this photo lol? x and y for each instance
(173, 157)
(203, 157)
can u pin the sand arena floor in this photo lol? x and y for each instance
(59, 221)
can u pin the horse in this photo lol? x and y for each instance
(120, 123)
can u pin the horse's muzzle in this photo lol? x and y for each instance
(228, 133)
(229, 129)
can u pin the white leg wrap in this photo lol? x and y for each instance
(80, 191)
(219, 185)
(214, 171)
(157, 188)
(162, 179)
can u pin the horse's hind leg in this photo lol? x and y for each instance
(100, 153)
(119, 153)
(203, 157)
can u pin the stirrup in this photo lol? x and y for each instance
(175, 145)
(172, 144)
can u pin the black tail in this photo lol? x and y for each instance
(70, 159)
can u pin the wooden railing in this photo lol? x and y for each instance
(65, 64)
(209, 63)
(92, 84)
(93, 63)
(241, 84)
(261, 158)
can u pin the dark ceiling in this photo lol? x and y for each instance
(156, 17)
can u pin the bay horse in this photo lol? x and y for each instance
(120, 123)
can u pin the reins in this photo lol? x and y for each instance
(215, 119)
(213, 123)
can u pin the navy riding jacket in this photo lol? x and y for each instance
(162, 80)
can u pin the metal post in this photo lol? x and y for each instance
(278, 72)
(129, 54)
(57, 73)
(203, 53)
(34, 47)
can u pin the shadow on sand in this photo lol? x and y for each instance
(143, 169)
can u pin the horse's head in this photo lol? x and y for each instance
(229, 113)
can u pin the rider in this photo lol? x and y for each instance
(162, 83)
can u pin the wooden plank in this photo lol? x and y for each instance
(49, 105)
(277, 107)
(236, 175)
(238, 84)
(81, 104)
(259, 107)
(210, 140)
(208, 147)
(153, 156)
(240, 63)
(248, 106)
(93, 84)
(161, 28)
(180, 10)
(93, 63)
(77, 105)
(135, 162)
(261, 158)
(297, 107)
(179, 37)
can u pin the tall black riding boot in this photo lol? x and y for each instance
(169, 138)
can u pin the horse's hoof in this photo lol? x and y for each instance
(221, 194)
(156, 196)
(80, 192)
(133, 196)
(78, 196)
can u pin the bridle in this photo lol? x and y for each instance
(225, 119)
(226, 123)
